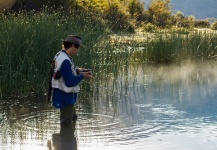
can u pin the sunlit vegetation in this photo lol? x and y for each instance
(29, 41)
(115, 34)
(177, 47)
(120, 15)
(214, 25)
(160, 12)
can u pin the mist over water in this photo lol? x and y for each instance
(139, 107)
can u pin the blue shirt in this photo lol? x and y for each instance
(61, 99)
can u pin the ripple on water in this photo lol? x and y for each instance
(113, 130)
(47, 120)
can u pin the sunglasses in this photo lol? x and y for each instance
(76, 46)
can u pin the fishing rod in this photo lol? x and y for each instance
(125, 95)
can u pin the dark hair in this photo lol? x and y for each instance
(67, 45)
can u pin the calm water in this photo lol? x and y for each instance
(136, 108)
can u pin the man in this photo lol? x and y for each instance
(66, 79)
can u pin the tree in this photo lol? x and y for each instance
(137, 11)
(135, 8)
(38, 4)
(118, 18)
(160, 12)
(6, 5)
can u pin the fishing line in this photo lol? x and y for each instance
(114, 94)
(124, 95)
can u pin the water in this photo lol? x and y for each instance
(135, 108)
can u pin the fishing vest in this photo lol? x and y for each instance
(60, 83)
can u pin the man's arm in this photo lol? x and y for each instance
(69, 78)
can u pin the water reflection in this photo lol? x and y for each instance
(65, 139)
(153, 100)
(135, 107)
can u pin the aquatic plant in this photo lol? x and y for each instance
(174, 47)
(29, 41)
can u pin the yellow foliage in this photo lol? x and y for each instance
(160, 11)
(160, 7)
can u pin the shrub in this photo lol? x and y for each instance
(178, 18)
(149, 27)
(202, 23)
(181, 21)
(191, 21)
(214, 25)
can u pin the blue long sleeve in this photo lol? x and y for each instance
(69, 78)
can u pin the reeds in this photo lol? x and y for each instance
(29, 41)
(175, 48)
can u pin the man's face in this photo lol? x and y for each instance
(74, 49)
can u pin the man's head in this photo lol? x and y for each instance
(72, 43)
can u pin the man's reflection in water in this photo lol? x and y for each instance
(65, 140)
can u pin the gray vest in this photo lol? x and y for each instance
(60, 83)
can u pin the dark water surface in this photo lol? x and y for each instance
(141, 107)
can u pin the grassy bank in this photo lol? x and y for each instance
(175, 47)
(171, 46)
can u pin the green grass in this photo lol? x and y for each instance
(174, 47)
(28, 42)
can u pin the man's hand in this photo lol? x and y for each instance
(79, 70)
(87, 74)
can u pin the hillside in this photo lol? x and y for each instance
(201, 9)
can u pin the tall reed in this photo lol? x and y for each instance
(29, 41)
(175, 48)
